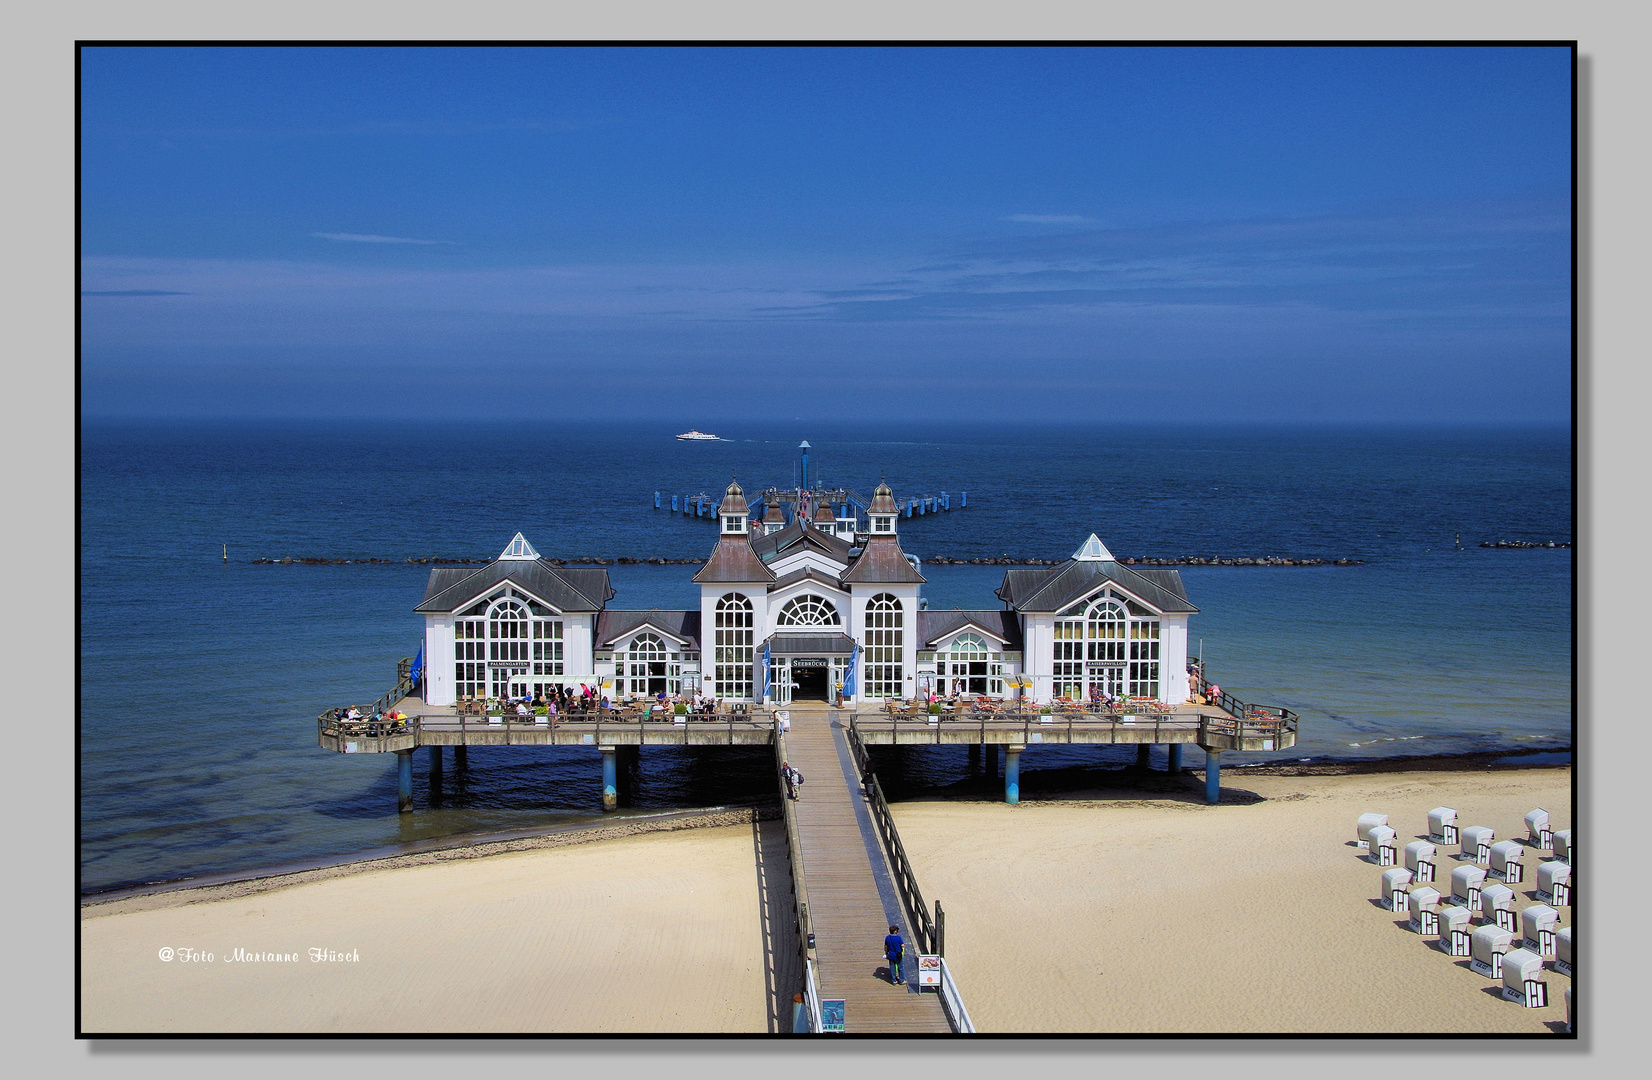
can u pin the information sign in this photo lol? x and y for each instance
(831, 1014)
(929, 970)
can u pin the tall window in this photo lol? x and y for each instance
(970, 667)
(733, 642)
(650, 667)
(1144, 658)
(470, 667)
(884, 671)
(547, 646)
(507, 644)
(1069, 654)
(809, 610)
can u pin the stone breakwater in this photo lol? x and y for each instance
(933, 560)
(1525, 544)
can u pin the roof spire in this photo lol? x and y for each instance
(1093, 550)
(518, 549)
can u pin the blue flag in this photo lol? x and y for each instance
(764, 695)
(849, 672)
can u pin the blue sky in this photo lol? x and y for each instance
(1349, 235)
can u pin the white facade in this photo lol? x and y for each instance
(1085, 626)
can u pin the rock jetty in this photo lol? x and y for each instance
(1525, 544)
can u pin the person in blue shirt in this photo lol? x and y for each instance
(892, 948)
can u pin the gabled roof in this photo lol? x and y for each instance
(938, 625)
(881, 562)
(1060, 586)
(519, 548)
(733, 559)
(771, 545)
(616, 624)
(449, 589)
(1093, 550)
(812, 641)
(807, 573)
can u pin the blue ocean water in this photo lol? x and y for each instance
(201, 679)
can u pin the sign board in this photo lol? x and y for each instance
(831, 1015)
(808, 661)
(929, 970)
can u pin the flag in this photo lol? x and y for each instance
(849, 673)
(765, 694)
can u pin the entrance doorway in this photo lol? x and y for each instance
(809, 680)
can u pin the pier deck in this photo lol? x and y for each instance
(851, 896)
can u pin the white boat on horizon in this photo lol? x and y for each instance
(699, 436)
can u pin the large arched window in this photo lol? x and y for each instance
(507, 643)
(884, 639)
(809, 610)
(733, 642)
(969, 666)
(648, 667)
(1101, 649)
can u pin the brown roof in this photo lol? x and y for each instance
(823, 512)
(881, 561)
(734, 500)
(733, 560)
(883, 501)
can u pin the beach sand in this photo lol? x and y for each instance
(1136, 914)
(661, 932)
(1125, 911)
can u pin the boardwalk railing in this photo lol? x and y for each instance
(800, 887)
(930, 933)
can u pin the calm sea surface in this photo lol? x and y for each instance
(200, 680)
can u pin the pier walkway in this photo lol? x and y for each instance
(852, 898)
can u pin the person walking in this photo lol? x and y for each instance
(893, 946)
(793, 778)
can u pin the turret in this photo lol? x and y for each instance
(883, 511)
(732, 511)
(824, 520)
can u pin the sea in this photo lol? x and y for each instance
(201, 677)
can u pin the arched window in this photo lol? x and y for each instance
(733, 642)
(507, 643)
(885, 620)
(969, 666)
(648, 664)
(809, 610)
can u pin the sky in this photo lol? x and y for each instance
(1356, 235)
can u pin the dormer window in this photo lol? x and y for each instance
(881, 524)
(734, 523)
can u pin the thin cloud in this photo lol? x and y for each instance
(1052, 219)
(369, 238)
(131, 292)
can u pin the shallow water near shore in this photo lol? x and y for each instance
(201, 679)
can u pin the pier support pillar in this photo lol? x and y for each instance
(404, 781)
(461, 756)
(973, 757)
(1213, 776)
(610, 779)
(1174, 750)
(435, 761)
(1142, 759)
(1012, 774)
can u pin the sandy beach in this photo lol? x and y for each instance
(1098, 912)
(1130, 915)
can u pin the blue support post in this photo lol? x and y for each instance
(1175, 752)
(963, 499)
(1213, 776)
(1012, 774)
(656, 500)
(404, 781)
(610, 780)
(946, 504)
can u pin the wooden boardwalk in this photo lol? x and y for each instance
(852, 899)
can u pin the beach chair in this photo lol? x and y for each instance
(1523, 979)
(1563, 952)
(1537, 829)
(1419, 859)
(1365, 823)
(1454, 929)
(1380, 839)
(1424, 906)
(1487, 947)
(1538, 925)
(1477, 841)
(1563, 845)
(1442, 825)
(1466, 883)
(1506, 864)
(1396, 884)
(1497, 906)
(1554, 883)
